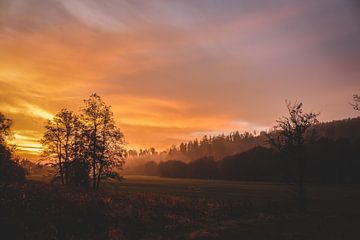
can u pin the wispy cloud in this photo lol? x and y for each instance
(174, 69)
(26, 109)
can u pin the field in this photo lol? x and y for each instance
(144, 207)
(345, 197)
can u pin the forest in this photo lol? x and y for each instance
(332, 156)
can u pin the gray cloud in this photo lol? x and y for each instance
(177, 62)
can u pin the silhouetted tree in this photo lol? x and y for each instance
(5, 125)
(59, 141)
(289, 139)
(252, 165)
(105, 140)
(174, 169)
(203, 168)
(132, 153)
(356, 103)
(10, 170)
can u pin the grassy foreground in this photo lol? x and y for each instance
(160, 208)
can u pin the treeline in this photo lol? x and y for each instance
(327, 161)
(215, 146)
(224, 145)
(233, 144)
(293, 152)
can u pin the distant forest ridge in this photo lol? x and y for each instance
(223, 145)
(332, 156)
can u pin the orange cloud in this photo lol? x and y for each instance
(173, 71)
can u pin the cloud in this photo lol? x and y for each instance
(26, 109)
(173, 70)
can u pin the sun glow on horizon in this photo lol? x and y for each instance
(176, 70)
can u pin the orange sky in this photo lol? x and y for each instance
(175, 70)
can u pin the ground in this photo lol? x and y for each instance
(160, 208)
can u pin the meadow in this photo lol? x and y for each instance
(257, 192)
(144, 207)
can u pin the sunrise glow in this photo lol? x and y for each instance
(175, 70)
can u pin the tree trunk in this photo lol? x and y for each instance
(67, 159)
(94, 175)
(99, 177)
(60, 163)
(301, 194)
(94, 156)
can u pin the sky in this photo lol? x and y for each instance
(176, 70)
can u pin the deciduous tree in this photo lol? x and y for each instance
(59, 140)
(288, 138)
(106, 141)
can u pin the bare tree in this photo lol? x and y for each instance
(106, 142)
(58, 141)
(288, 138)
(356, 103)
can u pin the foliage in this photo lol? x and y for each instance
(356, 103)
(60, 141)
(215, 146)
(78, 145)
(288, 139)
(105, 141)
(327, 161)
(5, 125)
(174, 168)
(10, 170)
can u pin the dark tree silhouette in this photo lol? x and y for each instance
(288, 138)
(216, 146)
(82, 144)
(203, 168)
(5, 125)
(173, 168)
(59, 142)
(356, 103)
(106, 142)
(10, 170)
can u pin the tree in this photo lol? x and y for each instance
(132, 153)
(105, 140)
(10, 170)
(59, 141)
(173, 169)
(203, 168)
(5, 125)
(356, 103)
(288, 139)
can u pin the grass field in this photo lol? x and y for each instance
(166, 208)
(198, 188)
(346, 196)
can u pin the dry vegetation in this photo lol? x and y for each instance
(36, 210)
